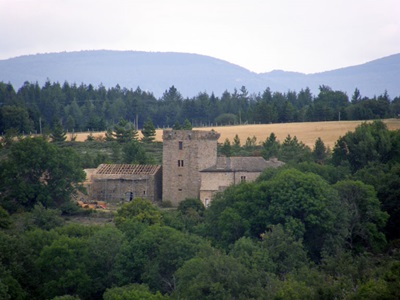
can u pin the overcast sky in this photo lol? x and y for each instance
(261, 35)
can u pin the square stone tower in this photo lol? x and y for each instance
(185, 154)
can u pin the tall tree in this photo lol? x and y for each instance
(364, 217)
(148, 131)
(319, 152)
(38, 172)
(226, 148)
(187, 125)
(15, 117)
(369, 143)
(270, 147)
(124, 132)
(58, 134)
(134, 153)
(236, 144)
(293, 150)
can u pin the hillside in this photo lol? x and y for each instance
(191, 73)
(371, 78)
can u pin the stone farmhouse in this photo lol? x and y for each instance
(231, 170)
(123, 182)
(190, 169)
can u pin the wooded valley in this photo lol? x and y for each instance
(326, 225)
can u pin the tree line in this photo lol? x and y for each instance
(34, 108)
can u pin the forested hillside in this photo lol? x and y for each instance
(34, 108)
(191, 73)
(324, 226)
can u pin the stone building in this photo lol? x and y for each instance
(123, 182)
(191, 169)
(231, 170)
(185, 154)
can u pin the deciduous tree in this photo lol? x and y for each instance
(38, 172)
(216, 276)
(364, 217)
(367, 144)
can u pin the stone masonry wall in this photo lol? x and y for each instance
(117, 188)
(214, 182)
(185, 153)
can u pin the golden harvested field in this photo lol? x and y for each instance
(307, 132)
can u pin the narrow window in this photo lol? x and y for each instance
(180, 163)
(207, 202)
(180, 145)
(242, 178)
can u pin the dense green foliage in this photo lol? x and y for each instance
(33, 108)
(148, 131)
(38, 172)
(324, 226)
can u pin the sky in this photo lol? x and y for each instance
(305, 36)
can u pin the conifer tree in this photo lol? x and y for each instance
(177, 126)
(236, 143)
(109, 135)
(58, 133)
(187, 125)
(124, 132)
(270, 147)
(148, 131)
(319, 153)
(226, 148)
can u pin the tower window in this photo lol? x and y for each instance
(180, 163)
(180, 145)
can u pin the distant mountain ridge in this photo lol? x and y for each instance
(191, 73)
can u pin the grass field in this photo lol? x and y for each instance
(306, 132)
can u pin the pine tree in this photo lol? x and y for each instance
(270, 147)
(226, 148)
(319, 153)
(236, 144)
(58, 134)
(187, 125)
(124, 132)
(177, 126)
(109, 135)
(148, 131)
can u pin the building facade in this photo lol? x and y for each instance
(185, 154)
(123, 182)
(230, 171)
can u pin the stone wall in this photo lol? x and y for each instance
(120, 188)
(185, 153)
(214, 182)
